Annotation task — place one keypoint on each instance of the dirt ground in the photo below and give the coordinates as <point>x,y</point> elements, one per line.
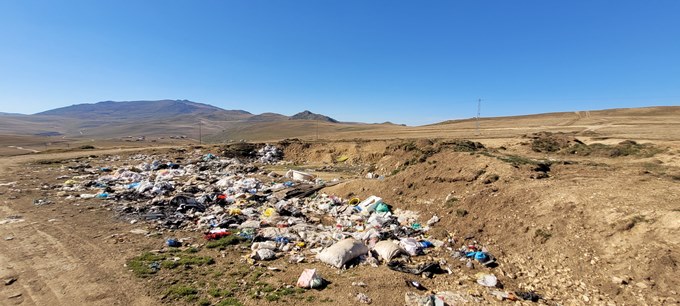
<point>585,221</point>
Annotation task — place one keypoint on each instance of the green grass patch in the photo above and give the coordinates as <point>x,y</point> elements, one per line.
<point>229,302</point>
<point>272,297</point>
<point>256,275</point>
<point>223,242</point>
<point>191,250</point>
<point>188,261</point>
<point>181,291</point>
<point>217,292</point>
<point>149,263</point>
<point>516,160</point>
<point>144,264</point>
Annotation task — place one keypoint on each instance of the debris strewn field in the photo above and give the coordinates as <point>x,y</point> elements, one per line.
<point>548,218</point>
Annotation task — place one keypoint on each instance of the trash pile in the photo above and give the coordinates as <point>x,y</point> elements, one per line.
<point>269,154</point>
<point>282,216</point>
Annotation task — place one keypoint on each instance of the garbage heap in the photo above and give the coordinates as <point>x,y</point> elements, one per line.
<point>281,216</point>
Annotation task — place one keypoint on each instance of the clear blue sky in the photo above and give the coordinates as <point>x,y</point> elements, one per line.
<point>408,62</point>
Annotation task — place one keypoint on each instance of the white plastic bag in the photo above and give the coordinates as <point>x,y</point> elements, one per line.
<point>387,249</point>
<point>309,279</point>
<point>342,252</point>
<point>410,245</point>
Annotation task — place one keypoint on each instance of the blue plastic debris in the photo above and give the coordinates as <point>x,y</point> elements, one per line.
<point>173,243</point>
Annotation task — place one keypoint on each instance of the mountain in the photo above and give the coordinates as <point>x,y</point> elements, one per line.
<point>307,115</point>
<point>135,110</point>
<point>268,117</point>
<point>110,119</point>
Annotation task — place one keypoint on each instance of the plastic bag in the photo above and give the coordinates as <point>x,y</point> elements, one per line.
<point>342,252</point>
<point>387,250</point>
<point>309,279</point>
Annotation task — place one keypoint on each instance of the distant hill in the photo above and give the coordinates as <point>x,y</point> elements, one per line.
<point>110,119</point>
<point>135,110</point>
<point>167,118</point>
<point>268,117</point>
<point>307,115</point>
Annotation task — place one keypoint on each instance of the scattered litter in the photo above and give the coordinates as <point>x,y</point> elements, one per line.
<point>264,254</point>
<point>387,250</point>
<point>414,299</point>
<point>299,175</point>
<point>310,279</point>
<point>155,266</point>
<point>12,219</point>
<point>415,284</point>
<point>425,268</point>
<point>342,252</point>
<point>363,298</point>
<point>528,295</point>
<point>503,295</point>
<point>40,202</point>
<point>269,154</point>
<point>172,242</point>
<point>487,280</point>
<point>433,220</point>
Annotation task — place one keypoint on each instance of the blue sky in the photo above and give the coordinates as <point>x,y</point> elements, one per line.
<point>411,62</point>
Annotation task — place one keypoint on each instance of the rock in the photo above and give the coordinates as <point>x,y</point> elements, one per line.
<point>641,285</point>
<point>14,295</point>
<point>139,231</point>
<point>619,281</point>
<point>10,281</point>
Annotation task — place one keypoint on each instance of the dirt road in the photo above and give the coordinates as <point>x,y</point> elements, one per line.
<point>61,255</point>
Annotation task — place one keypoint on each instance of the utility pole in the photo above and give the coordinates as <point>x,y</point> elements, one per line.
<point>479,111</point>
<point>200,133</point>
<point>317,130</point>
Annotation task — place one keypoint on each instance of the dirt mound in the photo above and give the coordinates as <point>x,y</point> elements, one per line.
<point>547,142</point>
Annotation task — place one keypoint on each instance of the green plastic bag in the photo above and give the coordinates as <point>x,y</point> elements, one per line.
<point>382,207</point>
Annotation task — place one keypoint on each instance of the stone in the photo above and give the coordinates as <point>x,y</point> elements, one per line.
<point>139,231</point>
<point>619,281</point>
<point>641,285</point>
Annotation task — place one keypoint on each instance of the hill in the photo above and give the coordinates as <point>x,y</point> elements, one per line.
<point>161,118</point>
<point>268,117</point>
<point>307,115</point>
<point>135,110</point>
